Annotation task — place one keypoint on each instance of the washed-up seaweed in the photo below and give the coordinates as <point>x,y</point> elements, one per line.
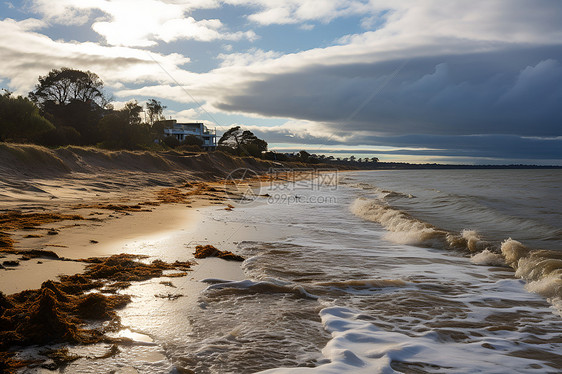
<point>126,268</point>
<point>178,195</point>
<point>204,251</point>
<point>16,220</point>
<point>116,207</point>
<point>58,312</point>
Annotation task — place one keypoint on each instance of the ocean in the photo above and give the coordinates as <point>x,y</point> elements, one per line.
<point>413,271</point>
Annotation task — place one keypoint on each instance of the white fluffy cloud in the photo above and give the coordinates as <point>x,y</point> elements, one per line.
<point>140,23</point>
<point>27,54</point>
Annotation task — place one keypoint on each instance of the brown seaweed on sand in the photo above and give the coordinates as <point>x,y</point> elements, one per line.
<point>126,268</point>
<point>203,251</point>
<point>5,241</point>
<point>115,207</point>
<point>16,220</point>
<point>58,311</point>
<point>176,195</point>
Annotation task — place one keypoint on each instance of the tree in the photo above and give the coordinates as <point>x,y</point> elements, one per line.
<point>20,119</point>
<point>63,86</point>
<point>374,159</point>
<point>124,129</point>
<point>72,98</point>
<point>154,109</point>
<point>303,156</point>
<point>132,111</point>
<point>245,143</point>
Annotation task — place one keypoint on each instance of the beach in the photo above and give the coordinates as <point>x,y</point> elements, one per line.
<point>63,210</point>
<point>344,272</point>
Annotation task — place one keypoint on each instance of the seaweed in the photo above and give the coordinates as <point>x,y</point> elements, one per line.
<point>115,207</point>
<point>16,220</point>
<point>124,268</point>
<point>169,296</point>
<point>60,357</point>
<point>58,311</point>
<point>32,253</point>
<point>114,287</point>
<point>175,195</point>
<point>6,242</point>
<point>10,365</point>
<point>101,307</point>
<point>113,351</point>
<point>204,251</point>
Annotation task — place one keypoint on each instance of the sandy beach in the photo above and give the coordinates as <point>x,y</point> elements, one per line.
<point>52,222</point>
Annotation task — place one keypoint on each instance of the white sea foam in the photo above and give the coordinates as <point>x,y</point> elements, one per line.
<point>488,258</point>
<point>360,347</point>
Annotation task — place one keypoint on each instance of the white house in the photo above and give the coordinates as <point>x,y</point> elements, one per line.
<point>181,130</point>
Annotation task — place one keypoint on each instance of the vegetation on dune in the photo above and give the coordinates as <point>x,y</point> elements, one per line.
<point>20,119</point>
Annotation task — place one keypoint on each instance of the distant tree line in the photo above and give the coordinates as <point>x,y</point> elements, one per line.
<point>307,158</point>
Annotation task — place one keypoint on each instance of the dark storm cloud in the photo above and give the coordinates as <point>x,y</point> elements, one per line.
<point>516,92</point>
<point>508,147</point>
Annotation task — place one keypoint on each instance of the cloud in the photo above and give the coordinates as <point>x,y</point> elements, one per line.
<point>302,11</point>
<point>27,54</point>
<point>497,92</point>
<point>510,148</point>
<point>170,92</point>
<point>140,23</point>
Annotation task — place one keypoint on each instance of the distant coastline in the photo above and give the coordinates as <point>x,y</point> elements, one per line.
<point>408,166</point>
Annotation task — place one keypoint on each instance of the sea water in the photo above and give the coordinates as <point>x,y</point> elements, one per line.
<point>456,271</point>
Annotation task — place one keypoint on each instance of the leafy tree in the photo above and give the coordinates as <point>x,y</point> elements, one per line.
<point>124,129</point>
<point>155,111</point>
<point>72,98</point>
<point>20,119</point>
<point>303,156</point>
<point>132,111</point>
<point>63,86</point>
<point>245,143</point>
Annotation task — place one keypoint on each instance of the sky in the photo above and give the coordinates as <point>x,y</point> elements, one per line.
<point>473,82</point>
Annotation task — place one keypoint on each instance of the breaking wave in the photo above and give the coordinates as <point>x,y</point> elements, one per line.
<point>405,229</point>
<point>541,269</point>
